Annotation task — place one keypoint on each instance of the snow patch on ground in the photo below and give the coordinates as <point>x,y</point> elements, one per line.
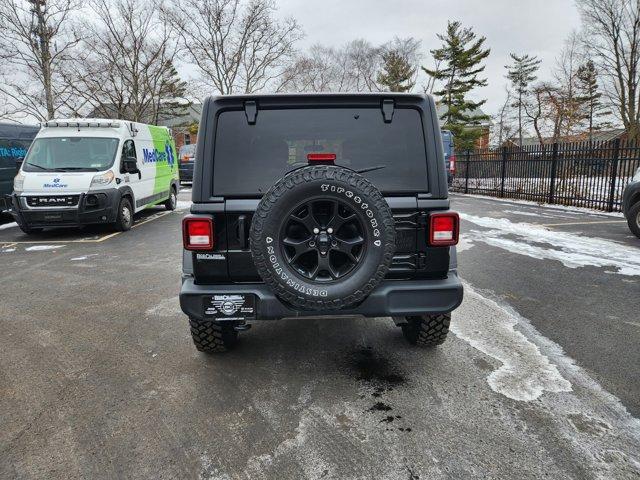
<point>83,257</point>
<point>42,248</point>
<point>8,225</point>
<point>169,307</point>
<point>563,208</point>
<point>523,212</point>
<point>525,373</point>
<point>464,244</point>
<point>571,249</point>
<point>183,204</point>
<point>7,250</point>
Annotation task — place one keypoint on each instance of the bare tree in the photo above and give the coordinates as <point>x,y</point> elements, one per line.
<point>37,38</point>
<point>612,29</point>
<point>503,120</point>
<point>569,112</point>
<point>432,79</point>
<point>535,109</point>
<point>237,47</point>
<point>353,67</point>
<point>125,68</point>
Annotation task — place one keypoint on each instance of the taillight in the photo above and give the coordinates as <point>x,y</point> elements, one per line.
<point>452,164</point>
<point>321,157</point>
<point>443,229</point>
<point>197,233</point>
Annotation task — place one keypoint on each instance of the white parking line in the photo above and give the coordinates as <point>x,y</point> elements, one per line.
<point>84,240</point>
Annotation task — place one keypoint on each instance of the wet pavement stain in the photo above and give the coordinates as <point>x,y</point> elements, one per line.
<point>380,407</point>
<point>376,371</point>
<point>378,374</point>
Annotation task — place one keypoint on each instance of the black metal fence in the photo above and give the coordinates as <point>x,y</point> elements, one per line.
<point>583,174</point>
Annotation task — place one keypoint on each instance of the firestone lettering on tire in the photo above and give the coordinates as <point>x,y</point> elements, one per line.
<point>363,206</point>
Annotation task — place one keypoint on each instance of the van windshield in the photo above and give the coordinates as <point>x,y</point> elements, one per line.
<point>60,154</point>
<point>248,159</point>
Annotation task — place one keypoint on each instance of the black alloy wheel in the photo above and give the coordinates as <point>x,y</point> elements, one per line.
<point>323,239</point>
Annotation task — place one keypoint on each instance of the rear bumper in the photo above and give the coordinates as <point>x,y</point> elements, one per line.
<point>391,298</point>
<point>103,212</point>
<point>186,174</point>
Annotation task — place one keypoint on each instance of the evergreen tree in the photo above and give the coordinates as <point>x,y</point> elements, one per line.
<point>589,96</point>
<point>397,74</point>
<point>521,74</point>
<point>171,92</point>
<point>459,61</point>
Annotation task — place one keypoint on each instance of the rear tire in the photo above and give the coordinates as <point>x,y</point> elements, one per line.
<point>210,336</point>
<point>124,218</point>
<point>633,219</point>
<point>427,330</point>
<point>172,201</point>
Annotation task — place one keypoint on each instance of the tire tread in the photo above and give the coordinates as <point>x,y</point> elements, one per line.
<point>210,336</point>
<point>427,330</point>
<point>290,181</point>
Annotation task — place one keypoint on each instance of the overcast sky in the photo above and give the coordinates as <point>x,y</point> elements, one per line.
<point>521,26</point>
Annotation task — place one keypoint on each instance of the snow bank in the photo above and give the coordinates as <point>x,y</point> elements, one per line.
<point>573,250</point>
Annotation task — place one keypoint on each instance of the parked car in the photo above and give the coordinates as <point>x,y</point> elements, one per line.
<point>86,171</point>
<point>631,204</point>
<point>449,155</point>
<point>187,156</point>
<point>319,205</point>
<point>14,143</point>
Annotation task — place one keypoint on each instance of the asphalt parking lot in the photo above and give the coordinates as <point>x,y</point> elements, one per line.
<point>99,378</point>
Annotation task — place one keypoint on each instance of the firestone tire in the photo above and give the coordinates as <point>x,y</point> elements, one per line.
<point>342,187</point>
<point>210,336</point>
<point>427,330</point>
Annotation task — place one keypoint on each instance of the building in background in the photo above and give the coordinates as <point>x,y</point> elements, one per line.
<point>484,125</point>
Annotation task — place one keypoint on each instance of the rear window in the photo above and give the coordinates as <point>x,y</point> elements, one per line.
<point>188,150</point>
<point>249,159</point>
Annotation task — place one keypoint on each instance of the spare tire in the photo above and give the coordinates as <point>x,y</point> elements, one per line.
<point>322,238</point>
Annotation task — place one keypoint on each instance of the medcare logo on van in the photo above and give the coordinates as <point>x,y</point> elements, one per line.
<point>55,183</point>
<point>156,156</point>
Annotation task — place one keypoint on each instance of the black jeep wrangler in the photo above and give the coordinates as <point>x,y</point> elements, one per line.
<point>319,205</point>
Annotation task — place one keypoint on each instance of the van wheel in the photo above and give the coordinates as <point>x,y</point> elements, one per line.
<point>29,230</point>
<point>124,219</point>
<point>427,330</point>
<point>633,219</point>
<point>210,336</point>
<point>172,201</point>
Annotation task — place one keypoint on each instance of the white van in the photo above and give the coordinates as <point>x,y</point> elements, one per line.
<point>94,171</point>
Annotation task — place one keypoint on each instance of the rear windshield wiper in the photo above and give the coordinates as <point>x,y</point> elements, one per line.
<point>363,170</point>
<point>371,169</point>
